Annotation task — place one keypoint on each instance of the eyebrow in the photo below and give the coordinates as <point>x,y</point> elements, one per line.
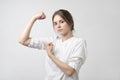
<point>59,20</point>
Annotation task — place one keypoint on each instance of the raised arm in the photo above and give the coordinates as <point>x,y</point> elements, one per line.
<point>25,36</point>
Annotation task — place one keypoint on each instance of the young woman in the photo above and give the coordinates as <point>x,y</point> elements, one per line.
<point>65,52</point>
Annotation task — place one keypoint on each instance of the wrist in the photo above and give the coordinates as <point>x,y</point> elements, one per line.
<point>34,19</point>
<point>50,54</point>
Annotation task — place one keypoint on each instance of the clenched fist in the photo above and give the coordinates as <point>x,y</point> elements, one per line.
<point>40,16</point>
<point>49,48</point>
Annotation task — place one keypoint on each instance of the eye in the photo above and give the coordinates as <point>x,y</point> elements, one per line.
<point>62,21</point>
<point>54,23</point>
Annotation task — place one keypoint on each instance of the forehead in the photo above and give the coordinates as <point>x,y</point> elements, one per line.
<point>57,18</point>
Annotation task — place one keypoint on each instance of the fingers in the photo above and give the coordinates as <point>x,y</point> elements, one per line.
<point>49,44</point>
<point>49,48</point>
<point>43,16</point>
<point>40,15</point>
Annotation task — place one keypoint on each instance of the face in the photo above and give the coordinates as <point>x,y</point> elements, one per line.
<point>61,26</point>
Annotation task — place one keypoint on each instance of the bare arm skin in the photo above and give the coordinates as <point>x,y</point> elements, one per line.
<point>63,66</point>
<point>25,36</point>
<point>25,40</point>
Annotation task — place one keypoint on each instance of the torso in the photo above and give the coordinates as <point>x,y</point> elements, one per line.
<point>62,51</point>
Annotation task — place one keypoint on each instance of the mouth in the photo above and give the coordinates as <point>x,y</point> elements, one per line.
<point>59,30</point>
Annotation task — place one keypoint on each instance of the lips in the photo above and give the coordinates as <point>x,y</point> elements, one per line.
<point>59,30</point>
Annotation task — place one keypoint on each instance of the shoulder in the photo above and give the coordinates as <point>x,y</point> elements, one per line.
<point>79,40</point>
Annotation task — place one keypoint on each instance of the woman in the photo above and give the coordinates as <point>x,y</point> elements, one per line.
<point>65,52</point>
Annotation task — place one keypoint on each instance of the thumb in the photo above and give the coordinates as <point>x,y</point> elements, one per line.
<point>51,44</point>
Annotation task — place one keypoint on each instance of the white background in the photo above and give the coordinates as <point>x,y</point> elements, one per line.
<point>97,21</point>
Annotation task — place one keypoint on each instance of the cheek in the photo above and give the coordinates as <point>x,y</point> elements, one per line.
<point>66,27</point>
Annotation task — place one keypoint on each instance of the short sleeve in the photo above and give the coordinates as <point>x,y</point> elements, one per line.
<point>39,43</point>
<point>78,56</point>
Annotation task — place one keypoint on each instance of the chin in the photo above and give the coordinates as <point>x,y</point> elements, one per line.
<point>60,34</point>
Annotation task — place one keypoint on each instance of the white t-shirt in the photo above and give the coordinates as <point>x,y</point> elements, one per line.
<point>72,52</point>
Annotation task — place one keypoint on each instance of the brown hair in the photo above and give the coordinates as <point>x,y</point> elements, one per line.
<point>66,15</point>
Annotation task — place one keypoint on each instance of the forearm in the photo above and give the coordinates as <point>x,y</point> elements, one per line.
<point>26,33</point>
<point>63,66</point>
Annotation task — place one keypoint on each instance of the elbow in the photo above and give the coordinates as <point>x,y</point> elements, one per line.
<point>25,43</point>
<point>70,72</point>
<point>21,42</point>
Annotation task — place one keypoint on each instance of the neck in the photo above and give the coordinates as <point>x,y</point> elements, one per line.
<point>67,36</point>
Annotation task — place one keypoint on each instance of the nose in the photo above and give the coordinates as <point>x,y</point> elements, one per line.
<point>58,26</point>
